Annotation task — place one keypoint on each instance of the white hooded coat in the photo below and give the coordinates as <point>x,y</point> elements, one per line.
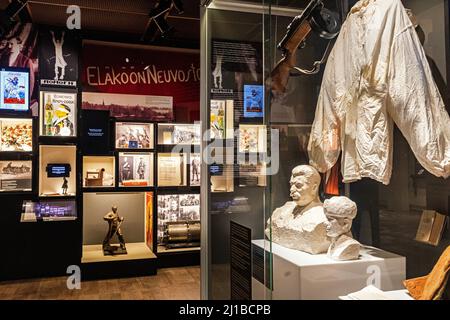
<point>377,74</point>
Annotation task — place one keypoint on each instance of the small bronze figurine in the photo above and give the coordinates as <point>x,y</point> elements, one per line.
<point>65,186</point>
<point>114,223</point>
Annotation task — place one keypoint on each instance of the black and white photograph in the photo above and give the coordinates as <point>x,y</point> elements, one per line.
<point>58,57</point>
<point>195,161</point>
<point>132,135</point>
<point>15,176</point>
<point>135,169</point>
<point>185,134</point>
<point>177,207</point>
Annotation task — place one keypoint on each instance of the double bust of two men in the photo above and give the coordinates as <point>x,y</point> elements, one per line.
<point>308,225</point>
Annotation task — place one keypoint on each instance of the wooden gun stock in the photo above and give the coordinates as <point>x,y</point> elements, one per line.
<point>280,75</point>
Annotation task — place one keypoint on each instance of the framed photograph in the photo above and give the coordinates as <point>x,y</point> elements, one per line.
<point>135,169</point>
<point>172,169</point>
<point>58,114</point>
<point>175,208</point>
<point>14,89</point>
<point>15,176</point>
<point>133,135</point>
<point>252,138</point>
<point>99,172</point>
<point>195,162</point>
<point>187,134</point>
<point>16,135</point>
<point>253,101</point>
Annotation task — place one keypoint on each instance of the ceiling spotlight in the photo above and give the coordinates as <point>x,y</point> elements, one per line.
<point>158,17</point>
<point>8,16</point>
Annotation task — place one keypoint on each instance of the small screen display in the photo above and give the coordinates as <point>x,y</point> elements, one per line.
<point>58,170</point>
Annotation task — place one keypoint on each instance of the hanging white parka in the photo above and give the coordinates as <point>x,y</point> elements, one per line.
<point>378,73</point>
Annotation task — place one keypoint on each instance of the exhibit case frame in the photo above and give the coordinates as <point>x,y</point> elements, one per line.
<point>401,237</point>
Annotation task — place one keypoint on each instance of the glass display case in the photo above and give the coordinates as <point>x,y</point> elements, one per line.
<point>254,221</point>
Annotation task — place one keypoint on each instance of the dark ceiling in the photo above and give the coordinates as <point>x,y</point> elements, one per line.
<point>120,20</point>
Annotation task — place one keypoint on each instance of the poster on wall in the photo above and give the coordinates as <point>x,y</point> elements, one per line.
<point>58,57</point>
<point>14,89</point>
<point>234,63</point>
<point>177,207</point>
<point>133,135</point>
<point>195,161</point>
<point>19,49</point>
<point>218,109</point>
<point>144,71</point>
<point>253,101</point>
<point>58,114</point>
<point>252,138</point>
<point>135,169</point>
<point>15,175</point>
<point>127,106</point>
<point>16,135</point>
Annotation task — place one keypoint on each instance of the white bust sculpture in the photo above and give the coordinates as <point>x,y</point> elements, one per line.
<point>340,212</point>
<point>301,224</point>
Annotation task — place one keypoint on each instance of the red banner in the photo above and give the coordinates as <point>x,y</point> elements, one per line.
<point>139,70</point>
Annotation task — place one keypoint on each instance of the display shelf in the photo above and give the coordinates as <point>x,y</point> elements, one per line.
<point>136,251</point>
<point>57,157</point>
<point>50,210</point>
<point>99,172</point>
<point>163,250</point>
<point>139,261</point>
<point>300,275</point>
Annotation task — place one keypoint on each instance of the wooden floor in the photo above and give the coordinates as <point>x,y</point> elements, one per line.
<point>168,284</point>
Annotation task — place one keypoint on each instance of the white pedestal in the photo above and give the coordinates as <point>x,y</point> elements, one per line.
<point>301,276</point>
